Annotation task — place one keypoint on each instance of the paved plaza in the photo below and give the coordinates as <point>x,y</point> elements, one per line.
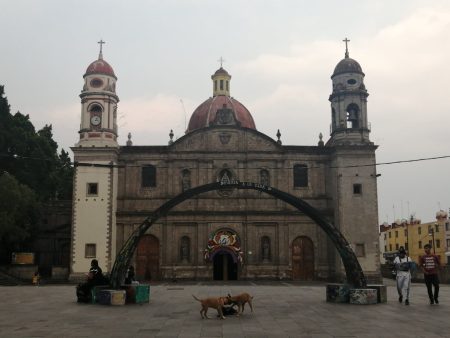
<point>281,309</point>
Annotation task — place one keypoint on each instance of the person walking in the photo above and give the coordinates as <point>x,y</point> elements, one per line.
<point>429,263</point>
<point>403,264</point>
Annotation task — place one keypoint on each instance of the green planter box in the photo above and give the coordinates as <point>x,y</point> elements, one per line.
<point>137,294</point>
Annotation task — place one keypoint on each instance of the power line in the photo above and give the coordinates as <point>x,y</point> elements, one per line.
<point>15,156</point>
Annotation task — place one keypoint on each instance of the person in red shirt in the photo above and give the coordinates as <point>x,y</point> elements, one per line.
<point>429,263</point>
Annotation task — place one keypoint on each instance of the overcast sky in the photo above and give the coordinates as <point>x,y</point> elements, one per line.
<point>280,54</point>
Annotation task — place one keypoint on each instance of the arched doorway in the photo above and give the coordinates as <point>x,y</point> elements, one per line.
<point>225,253</point>
<point>302,259</point>
<point>147,258</point>
<point>225,268</point>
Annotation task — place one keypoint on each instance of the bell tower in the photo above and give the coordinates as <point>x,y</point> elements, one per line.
<point>98,126</point>
<point>349,123</point>
<point>96,153</point>
<point>352,173</point>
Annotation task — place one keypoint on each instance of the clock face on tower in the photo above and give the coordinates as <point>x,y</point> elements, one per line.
<point>95,120</point>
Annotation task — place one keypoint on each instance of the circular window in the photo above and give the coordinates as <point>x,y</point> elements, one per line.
<point>96,83</point>
<point>351,81</point>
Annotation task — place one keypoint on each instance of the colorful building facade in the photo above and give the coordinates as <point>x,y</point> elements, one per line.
<point>413,235</point>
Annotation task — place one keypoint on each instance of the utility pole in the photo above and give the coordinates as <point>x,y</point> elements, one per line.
<point>431,233</point>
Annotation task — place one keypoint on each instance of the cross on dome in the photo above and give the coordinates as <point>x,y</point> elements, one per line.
<point>221,60</point>
<point>100,55</point>
<point>346,47</point>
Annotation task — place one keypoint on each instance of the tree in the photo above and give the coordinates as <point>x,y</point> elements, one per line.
<point>32,173</point>
<point>32,156</point>
<point>19,213</point>
<point>65,173</point>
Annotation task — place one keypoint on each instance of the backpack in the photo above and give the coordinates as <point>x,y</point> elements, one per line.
<point>409,265</point>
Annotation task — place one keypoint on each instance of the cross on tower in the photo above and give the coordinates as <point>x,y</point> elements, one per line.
<point>101,42</point>
<point>221,60</point>
<point>346,46</point>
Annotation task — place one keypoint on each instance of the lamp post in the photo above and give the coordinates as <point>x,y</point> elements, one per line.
<point>431,233</point>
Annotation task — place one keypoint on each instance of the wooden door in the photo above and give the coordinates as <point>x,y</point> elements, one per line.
<point>302,259</point>
<point>147,258</point>
<point>224,267</point>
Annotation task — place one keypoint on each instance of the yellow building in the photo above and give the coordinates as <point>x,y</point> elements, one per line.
<point>413,235</point>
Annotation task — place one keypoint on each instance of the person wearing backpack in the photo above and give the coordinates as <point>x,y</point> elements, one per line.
<point>429,263</point>
<point>403,264</point>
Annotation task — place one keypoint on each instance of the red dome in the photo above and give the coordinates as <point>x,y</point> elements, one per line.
<point>100,66</point>
<point>205,114</point>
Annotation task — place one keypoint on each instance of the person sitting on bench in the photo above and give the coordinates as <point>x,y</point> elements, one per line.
<point>129,277</point>
<point>94,277</point>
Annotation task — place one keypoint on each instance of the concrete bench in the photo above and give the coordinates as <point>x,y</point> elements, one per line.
<point>111,297</point>
<point>363,296</point>
<point>95,290</point>
<point>338,293</point>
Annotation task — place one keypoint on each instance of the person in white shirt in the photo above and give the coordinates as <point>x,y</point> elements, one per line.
<point>403,266</point>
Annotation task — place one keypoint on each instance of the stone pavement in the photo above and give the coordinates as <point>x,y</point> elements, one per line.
<point>281,309</point>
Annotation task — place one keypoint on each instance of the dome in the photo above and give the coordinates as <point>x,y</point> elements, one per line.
<point>221,71</point>
<point>441,214</point>
<point>205,114</point>
<point>347,65</point>
<point>100,66</point>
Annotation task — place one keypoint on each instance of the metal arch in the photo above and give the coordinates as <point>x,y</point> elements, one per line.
<point>353,271</point>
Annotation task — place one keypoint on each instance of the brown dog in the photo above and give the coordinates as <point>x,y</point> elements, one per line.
<point>215,303</point>
<point>240,301</point>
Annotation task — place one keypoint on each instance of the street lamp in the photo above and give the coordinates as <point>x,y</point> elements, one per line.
<point>431,233</point>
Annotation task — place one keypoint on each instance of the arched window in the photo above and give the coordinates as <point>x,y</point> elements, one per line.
<point>300,175</point>
<point>185,179</point>
<point>185,249</point>
<point>264,177</point>
<point>96,108</point>
<point>148,176</point>
<point>95,115</point>
<point>352,116</point>
<point>265,248</point>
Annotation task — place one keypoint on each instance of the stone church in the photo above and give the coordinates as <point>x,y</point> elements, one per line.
<point>225,234</point>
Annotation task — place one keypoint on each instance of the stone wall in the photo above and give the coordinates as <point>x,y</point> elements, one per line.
<point>252,214</point>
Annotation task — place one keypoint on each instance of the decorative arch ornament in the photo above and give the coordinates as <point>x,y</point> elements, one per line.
<point>355,275</point>
<point>224,240</point>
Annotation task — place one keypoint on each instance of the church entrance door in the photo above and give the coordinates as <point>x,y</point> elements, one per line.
<point>147,258</point>
<point>302,259</point>
<point>224,266</point>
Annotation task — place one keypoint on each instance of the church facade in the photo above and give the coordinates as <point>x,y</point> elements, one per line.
<point>226,234</point>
